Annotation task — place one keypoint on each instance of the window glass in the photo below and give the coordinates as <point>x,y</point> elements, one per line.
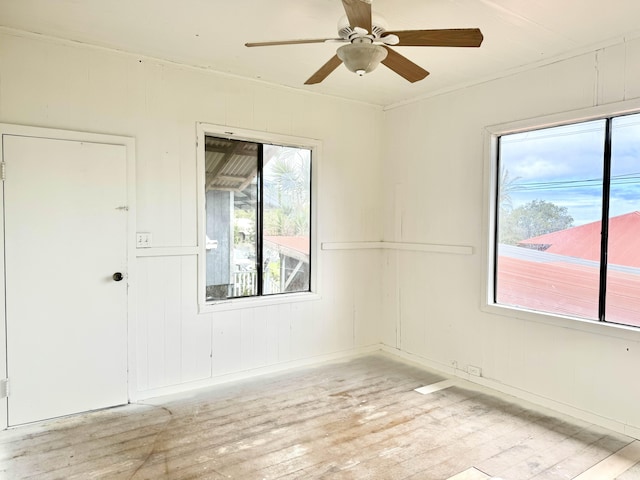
<point>231,192</point>
<point>258,207</point>
<point>287,217</point>
<point>623,270</point>
<point>549,209</point>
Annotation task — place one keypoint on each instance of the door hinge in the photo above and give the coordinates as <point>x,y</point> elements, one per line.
<point>3,171</point>
<point>4,388</point>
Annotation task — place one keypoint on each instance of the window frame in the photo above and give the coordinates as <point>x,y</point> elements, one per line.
<point>489,234</point>
<point>232,133</point>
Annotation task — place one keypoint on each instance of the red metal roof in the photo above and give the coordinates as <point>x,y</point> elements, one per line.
<point>562,276</point>
<point>567,289</point>
<point>295,246</point>
<point>584,241</point>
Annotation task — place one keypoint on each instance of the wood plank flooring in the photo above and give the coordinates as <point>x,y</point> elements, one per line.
<point>360,419</point>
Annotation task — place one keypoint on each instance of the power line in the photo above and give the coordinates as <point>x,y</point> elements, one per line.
<point>624,179</point>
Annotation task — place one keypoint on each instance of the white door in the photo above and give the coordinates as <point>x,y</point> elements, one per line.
<point>65,237</point>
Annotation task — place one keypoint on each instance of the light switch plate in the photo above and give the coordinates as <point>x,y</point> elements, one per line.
<point>143,240</point>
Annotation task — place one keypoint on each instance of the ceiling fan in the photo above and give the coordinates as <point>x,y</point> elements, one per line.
<point>367,43</point>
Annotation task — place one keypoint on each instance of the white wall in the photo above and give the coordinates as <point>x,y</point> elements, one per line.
<point>69,86</point>
<point>435,193</point>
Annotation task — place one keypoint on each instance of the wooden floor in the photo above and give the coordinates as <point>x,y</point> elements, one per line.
<point>360,419</point>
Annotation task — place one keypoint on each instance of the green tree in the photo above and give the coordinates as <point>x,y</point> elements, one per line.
<point>537,217</point>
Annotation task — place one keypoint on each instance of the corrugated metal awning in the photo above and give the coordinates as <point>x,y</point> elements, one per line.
<point>230,165</point>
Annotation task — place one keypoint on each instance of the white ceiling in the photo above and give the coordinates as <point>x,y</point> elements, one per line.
<point>212,33</point>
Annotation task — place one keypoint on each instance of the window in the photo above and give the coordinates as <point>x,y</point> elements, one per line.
<point>257,218</point>
<point>567,224</point>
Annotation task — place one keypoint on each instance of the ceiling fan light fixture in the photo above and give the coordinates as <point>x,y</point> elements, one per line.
<point>361,58</point>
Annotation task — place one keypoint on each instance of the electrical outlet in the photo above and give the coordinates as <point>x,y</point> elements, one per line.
<point>475,371</point>
<point>143,240</point>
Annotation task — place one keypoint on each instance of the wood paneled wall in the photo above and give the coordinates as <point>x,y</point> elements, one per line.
<point>437,193</point>
<point>50,83</point>
<point>414,173</point>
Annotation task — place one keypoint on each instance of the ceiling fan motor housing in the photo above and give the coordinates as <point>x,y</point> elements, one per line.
<point>378,27</point>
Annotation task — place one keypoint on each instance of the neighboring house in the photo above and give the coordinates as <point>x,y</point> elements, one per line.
<point>584,241</point>
<point>293,253</point>
<point>563,270</point>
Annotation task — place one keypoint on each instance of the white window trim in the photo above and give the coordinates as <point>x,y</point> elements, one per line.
<point>491,134</point>
<point>204,129</point>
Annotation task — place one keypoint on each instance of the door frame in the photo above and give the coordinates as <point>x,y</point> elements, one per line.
<point>57,134</point>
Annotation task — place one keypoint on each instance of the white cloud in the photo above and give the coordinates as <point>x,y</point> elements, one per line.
<point>533,167</point>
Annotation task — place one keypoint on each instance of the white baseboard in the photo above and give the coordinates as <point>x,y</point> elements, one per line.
<point>190,388</point>
<point>513,394</point>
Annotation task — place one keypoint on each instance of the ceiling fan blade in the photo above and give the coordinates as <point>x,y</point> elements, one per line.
<point>358,13</point>
<point>453,37</point>
<point>324,71</point>
<point>403,66</point>
<point>292,42</point>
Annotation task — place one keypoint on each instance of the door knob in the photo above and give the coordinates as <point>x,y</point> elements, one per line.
<point>118,276</point>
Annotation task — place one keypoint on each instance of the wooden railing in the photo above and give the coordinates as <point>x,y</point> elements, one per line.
<point>245,284</point>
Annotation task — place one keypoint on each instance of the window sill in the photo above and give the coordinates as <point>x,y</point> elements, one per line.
<point>255,302</point>
<point>626,332</point>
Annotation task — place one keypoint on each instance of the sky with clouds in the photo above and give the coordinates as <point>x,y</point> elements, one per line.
<point>564,165</point>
